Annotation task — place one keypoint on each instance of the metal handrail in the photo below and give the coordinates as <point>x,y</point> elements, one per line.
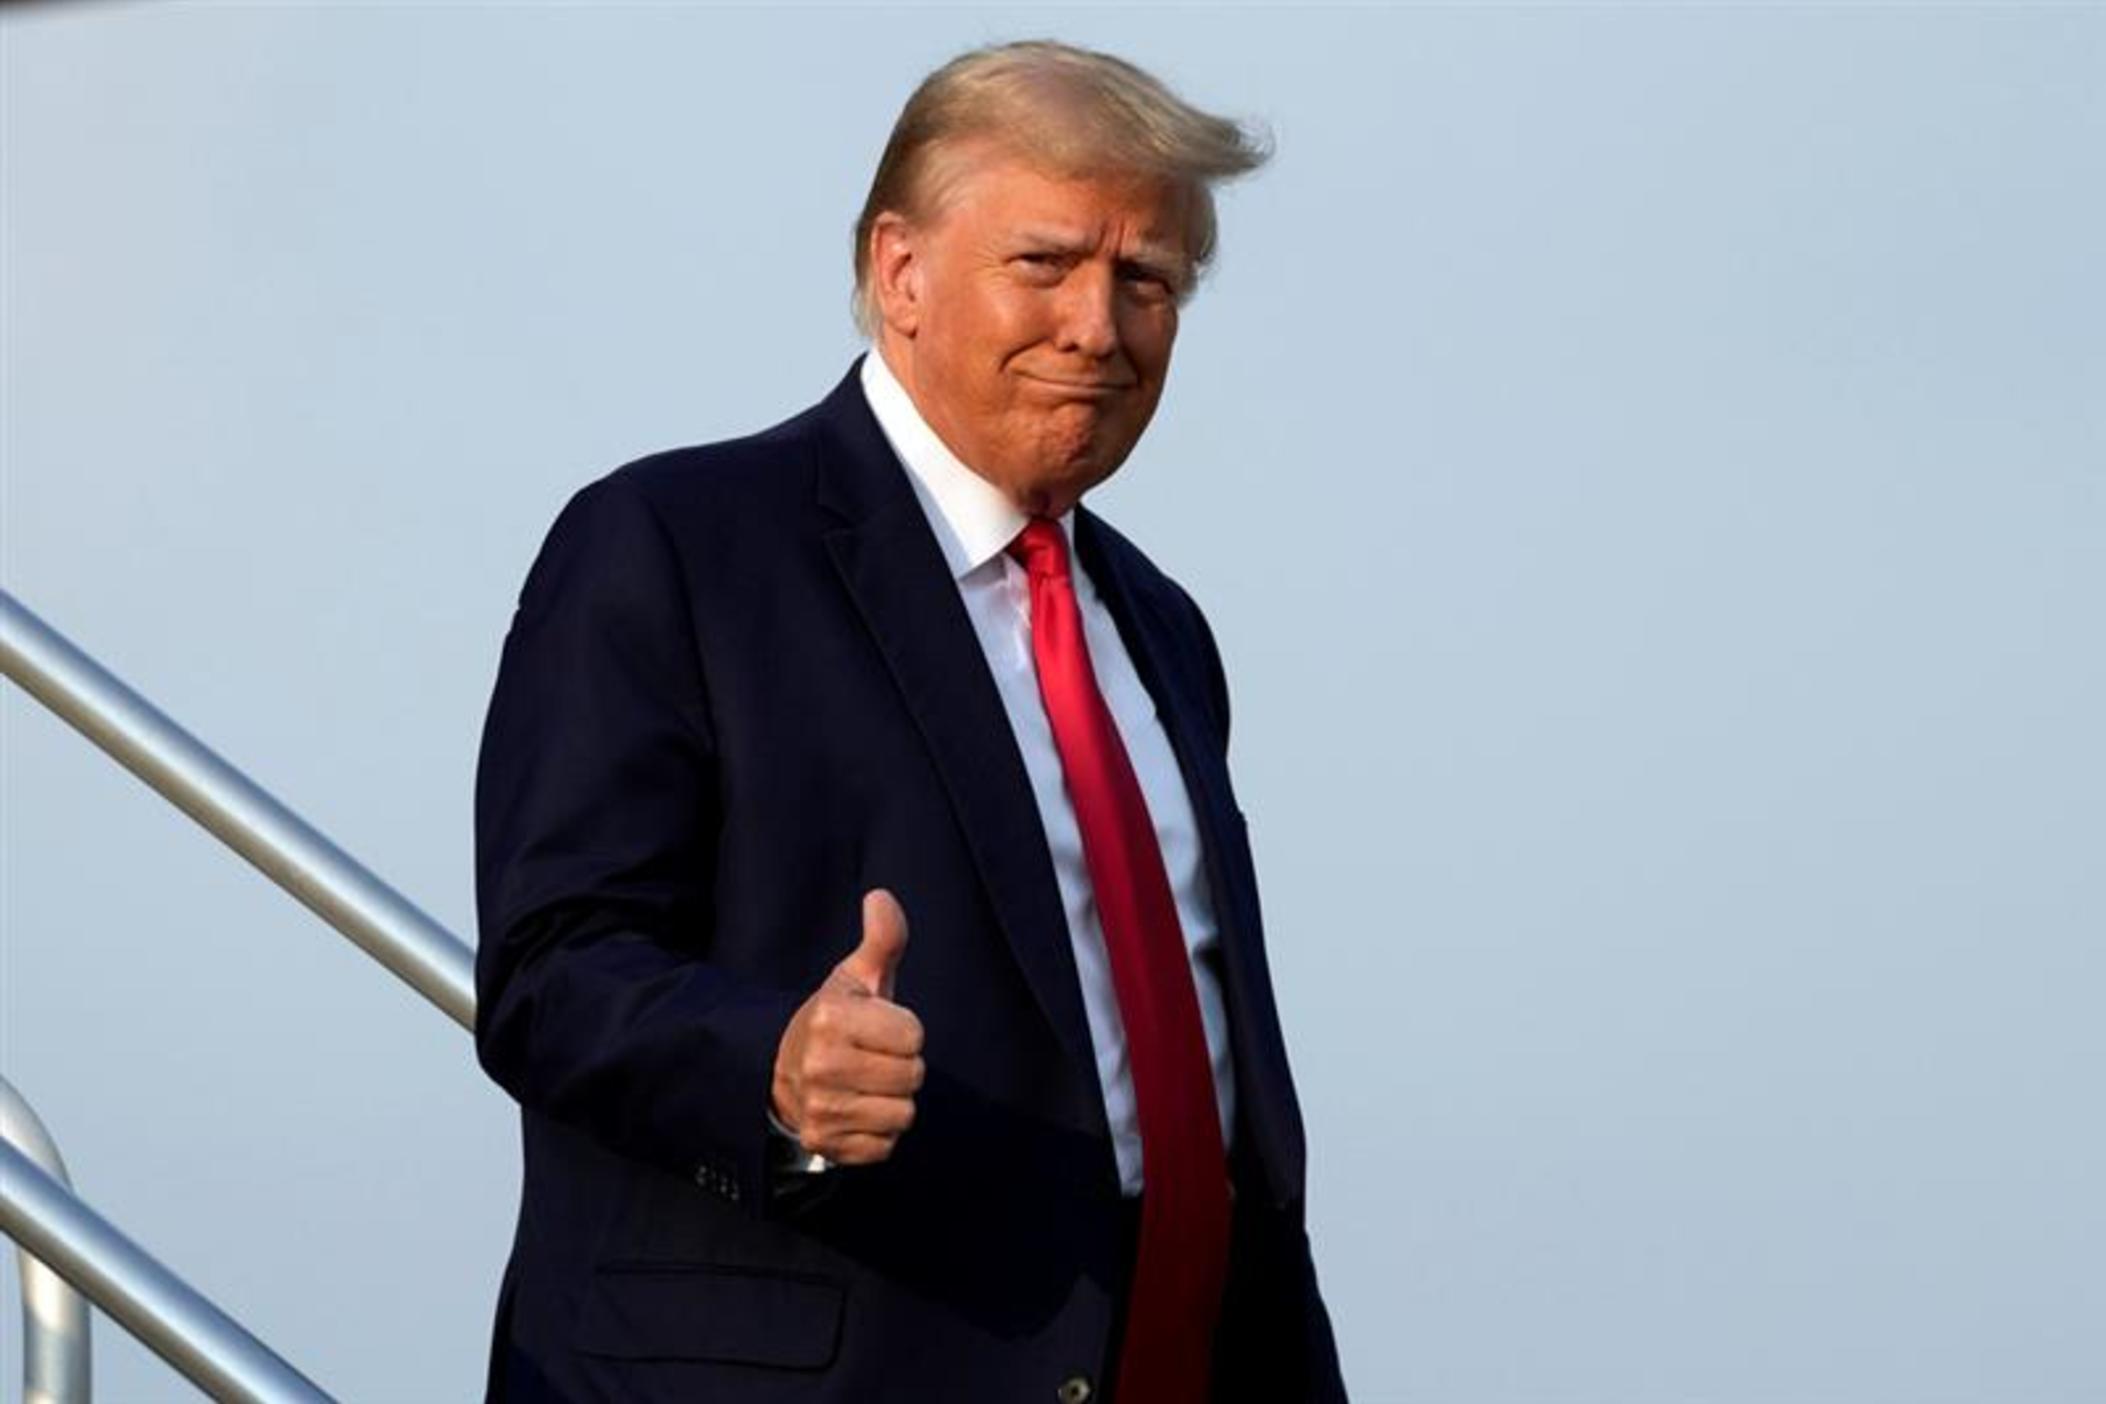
<point>55,1355</point>
<point>53,1227</point>
<point>174,1320</point>
<point>285,847</point>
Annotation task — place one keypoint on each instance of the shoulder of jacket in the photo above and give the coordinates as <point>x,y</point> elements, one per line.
<point>1140,569</point>
<point>740,479</point>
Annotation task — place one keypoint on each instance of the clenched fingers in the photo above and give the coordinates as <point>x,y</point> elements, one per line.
<point>871,1023</point>
<point>848,1069</point>
<point>843,1113</point>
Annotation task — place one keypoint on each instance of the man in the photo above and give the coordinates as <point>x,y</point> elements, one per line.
<point>869,931</point>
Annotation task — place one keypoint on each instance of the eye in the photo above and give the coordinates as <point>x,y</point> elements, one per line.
<point>1148,282</point>
<point>1038,269</point>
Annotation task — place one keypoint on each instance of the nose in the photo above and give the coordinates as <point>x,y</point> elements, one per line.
<point>1089,321</point>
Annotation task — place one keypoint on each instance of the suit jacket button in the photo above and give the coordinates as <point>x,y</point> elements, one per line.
<point>1075,1390</point>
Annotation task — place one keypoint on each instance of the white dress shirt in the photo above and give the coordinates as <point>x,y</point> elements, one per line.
<point>974,522</point>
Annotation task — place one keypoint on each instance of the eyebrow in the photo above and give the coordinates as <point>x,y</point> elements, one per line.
<point>1163,260</point>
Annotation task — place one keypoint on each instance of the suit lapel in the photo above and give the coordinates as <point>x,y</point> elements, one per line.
<point>889,561</point>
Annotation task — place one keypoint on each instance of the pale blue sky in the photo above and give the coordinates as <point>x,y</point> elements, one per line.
<point>1646,467</point>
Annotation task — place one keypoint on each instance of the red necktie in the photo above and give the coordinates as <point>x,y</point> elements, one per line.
<point>1182,1261</point>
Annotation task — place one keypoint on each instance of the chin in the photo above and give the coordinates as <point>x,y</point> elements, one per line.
<point>1067,466</point>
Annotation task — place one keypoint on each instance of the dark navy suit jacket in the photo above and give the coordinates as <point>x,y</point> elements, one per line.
<point>739,689</point>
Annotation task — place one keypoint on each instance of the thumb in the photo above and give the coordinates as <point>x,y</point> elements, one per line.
<point>874,962</point>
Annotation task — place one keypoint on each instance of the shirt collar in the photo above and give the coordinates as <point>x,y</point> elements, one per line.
<point>973,519</point>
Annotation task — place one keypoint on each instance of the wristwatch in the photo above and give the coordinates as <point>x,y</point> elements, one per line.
<point>789,1152</point>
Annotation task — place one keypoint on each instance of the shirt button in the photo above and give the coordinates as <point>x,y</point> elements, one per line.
<point>1075,1389</point>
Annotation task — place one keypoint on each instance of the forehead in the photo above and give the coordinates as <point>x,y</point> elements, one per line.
<point>1003,194</point>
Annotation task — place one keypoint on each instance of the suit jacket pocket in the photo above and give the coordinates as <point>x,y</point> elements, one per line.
<point>638,1310</point>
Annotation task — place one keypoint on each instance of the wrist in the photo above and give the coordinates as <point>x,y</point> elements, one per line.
<point>790,1153</point>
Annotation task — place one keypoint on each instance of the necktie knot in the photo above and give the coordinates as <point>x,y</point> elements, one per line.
<point>1041,549</point>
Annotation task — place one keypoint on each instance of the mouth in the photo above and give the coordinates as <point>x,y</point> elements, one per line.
<point>1082,387</point>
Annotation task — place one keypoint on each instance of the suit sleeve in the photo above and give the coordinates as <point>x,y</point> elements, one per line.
<point>595,817</point>
<point>1294,1326</point>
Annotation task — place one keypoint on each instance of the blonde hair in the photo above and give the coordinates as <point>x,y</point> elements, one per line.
<point>1070,111</point>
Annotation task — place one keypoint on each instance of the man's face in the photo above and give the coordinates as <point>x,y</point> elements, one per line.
<point>1031,320</point>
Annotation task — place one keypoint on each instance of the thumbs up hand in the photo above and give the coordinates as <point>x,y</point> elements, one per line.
<point>850,1059</point>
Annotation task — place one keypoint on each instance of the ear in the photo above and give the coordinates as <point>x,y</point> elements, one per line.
<point>897,271</point>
